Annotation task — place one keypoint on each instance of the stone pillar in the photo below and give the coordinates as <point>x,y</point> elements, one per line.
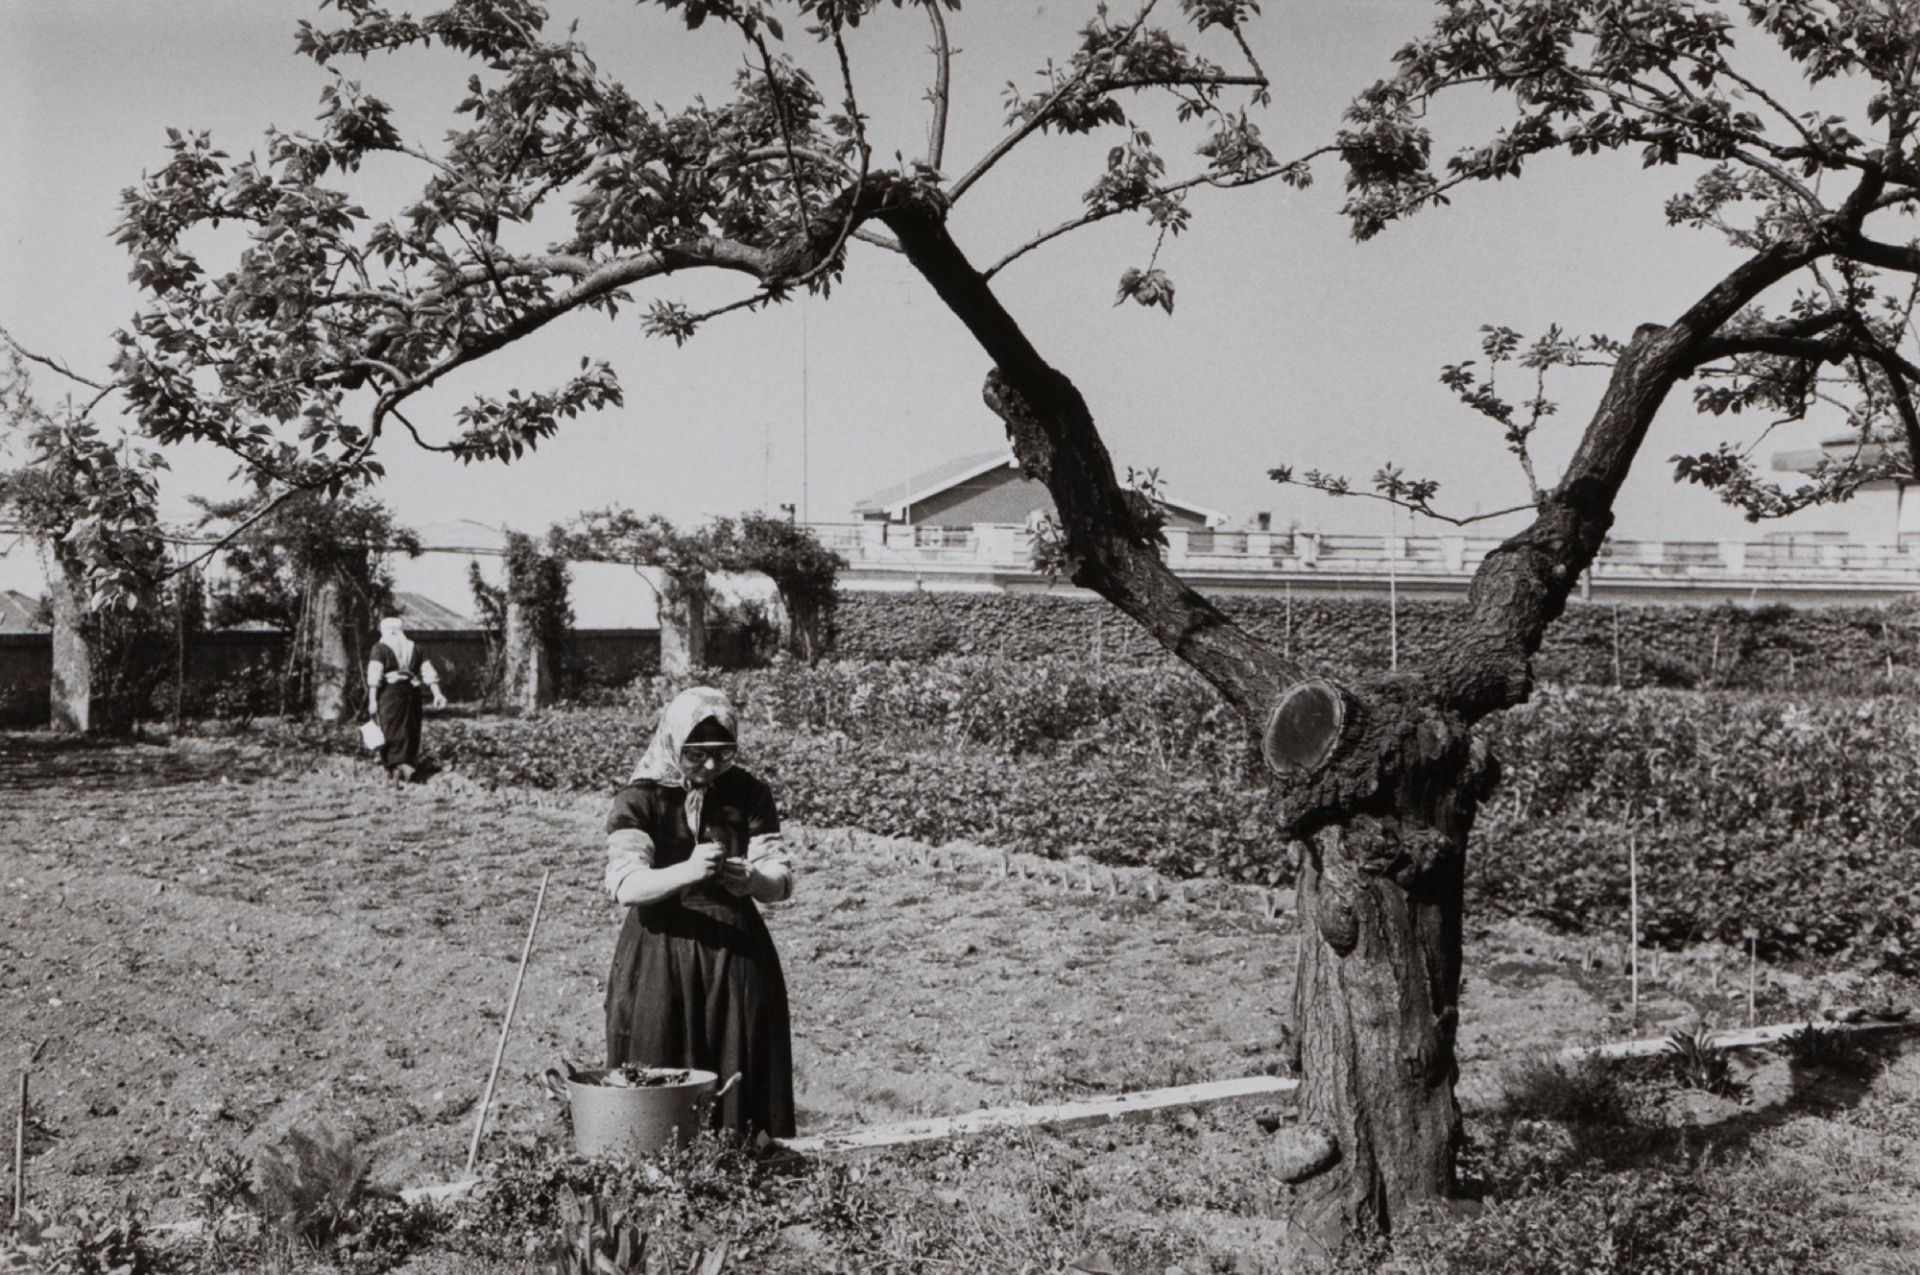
<point>527,670</point>
<point>1454,550</point>
<point>334,681</point>
<point>72,689</point>
<point>683,629</point>
<point>1307,545</point>
<point>1733,555</point>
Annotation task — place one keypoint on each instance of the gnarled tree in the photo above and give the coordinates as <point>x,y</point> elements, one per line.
<point>338,321</point>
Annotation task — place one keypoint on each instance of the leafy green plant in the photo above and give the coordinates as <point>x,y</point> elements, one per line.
<point>1583,1091</point>
<point>99,1241</point>
<point>220,1185</point>
<point>596,1238</point>
<point>312,1186</point>
<point>1825,1048</point>
<point>1698,1063</point>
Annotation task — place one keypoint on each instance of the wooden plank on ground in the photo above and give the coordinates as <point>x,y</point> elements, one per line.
<point>1064,1115</point>
<point>1745,1039</point>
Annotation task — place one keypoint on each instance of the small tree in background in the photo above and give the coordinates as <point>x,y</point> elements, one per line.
<point>89,502</point>
<point>803,571</point>
<point>316,568</point>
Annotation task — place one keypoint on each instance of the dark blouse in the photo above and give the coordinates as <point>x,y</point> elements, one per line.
<point>739,808</point>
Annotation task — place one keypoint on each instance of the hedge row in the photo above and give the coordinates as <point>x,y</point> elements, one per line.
<point>1773,647</point>
<point>1794,819</point>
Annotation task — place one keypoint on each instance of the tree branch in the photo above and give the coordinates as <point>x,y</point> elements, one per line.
<point>1205,179</point>
<point>54,364</point>
<point>1057,441</point>
<point>1523,585</point>
<point>1040,116</point>
<point>942,92</point>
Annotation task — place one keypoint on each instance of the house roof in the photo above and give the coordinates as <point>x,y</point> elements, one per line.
<point>900,496</point>
<point>19,613</point>
<point>418,611</point>
<point>1841,446</point>
<point>897,499</point>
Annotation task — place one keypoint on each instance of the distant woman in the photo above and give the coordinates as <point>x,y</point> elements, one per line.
<point>692,844</point>
<point>396,673</point>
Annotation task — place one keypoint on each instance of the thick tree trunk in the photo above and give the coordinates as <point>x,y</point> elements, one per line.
<point>1374,1003</point>
<point>72,689</point>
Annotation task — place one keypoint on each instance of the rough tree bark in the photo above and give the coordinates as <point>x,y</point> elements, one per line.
<point>1381,781</point>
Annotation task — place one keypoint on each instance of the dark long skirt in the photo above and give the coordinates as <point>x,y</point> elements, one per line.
<point>399,717</point>
<point>696,983</point>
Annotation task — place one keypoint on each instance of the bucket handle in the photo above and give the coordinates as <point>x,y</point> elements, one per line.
<point>707,1103</point>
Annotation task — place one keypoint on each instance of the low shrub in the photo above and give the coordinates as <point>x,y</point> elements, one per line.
<point>99,1241</point>
<point>1647,1223</point>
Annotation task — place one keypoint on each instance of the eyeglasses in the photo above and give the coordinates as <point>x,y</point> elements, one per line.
<point>695,756</point>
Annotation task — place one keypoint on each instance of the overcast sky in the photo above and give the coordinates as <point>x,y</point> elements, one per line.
<point>1289,343</point>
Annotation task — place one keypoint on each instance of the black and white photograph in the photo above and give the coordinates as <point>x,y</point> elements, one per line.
<point>932,637</point>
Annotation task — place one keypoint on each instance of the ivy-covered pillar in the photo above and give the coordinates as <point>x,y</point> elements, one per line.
<point>527,683</point>
<point>333,676</point>
<point>71,693</point>
<point>683,624</point>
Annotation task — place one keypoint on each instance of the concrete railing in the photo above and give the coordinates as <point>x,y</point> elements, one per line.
<point>1249,556</point>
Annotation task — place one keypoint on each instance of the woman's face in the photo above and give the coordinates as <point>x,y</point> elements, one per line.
<point>701,764</point>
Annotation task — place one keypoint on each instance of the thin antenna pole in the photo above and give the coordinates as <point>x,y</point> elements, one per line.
<point>805,423</point>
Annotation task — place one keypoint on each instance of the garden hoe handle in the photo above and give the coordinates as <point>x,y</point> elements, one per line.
<point>500,1051</point>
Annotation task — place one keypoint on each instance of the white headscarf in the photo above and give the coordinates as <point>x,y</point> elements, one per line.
<point>394,634</point>
<point>661,762</point>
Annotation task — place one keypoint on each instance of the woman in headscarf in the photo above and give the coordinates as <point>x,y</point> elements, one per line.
<point>692,844</point>
<point>396,672</point>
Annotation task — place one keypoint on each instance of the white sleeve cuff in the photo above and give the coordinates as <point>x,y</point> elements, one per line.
<point>767,856</point>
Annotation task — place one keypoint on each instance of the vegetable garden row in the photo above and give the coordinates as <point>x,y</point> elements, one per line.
<point>1794,820</point>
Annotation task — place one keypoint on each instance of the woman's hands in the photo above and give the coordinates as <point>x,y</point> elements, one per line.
<point>705,863</point>
<point>737,876</point>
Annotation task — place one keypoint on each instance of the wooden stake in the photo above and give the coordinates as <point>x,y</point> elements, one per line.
<point>1633,923</point>
<point>1393,599</point>
<point>506,1025</point>
<point>1753,961</point>
<point>1616,646</point>
<point>1286,641</point>
<point>20,1155</point>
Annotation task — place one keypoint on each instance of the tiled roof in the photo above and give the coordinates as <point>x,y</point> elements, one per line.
<point>19,613</point>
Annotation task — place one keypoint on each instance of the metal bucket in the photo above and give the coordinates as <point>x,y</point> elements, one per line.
<point>635,1120</point>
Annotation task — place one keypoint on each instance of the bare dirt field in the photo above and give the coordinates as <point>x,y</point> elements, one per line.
<point>208,940</point>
